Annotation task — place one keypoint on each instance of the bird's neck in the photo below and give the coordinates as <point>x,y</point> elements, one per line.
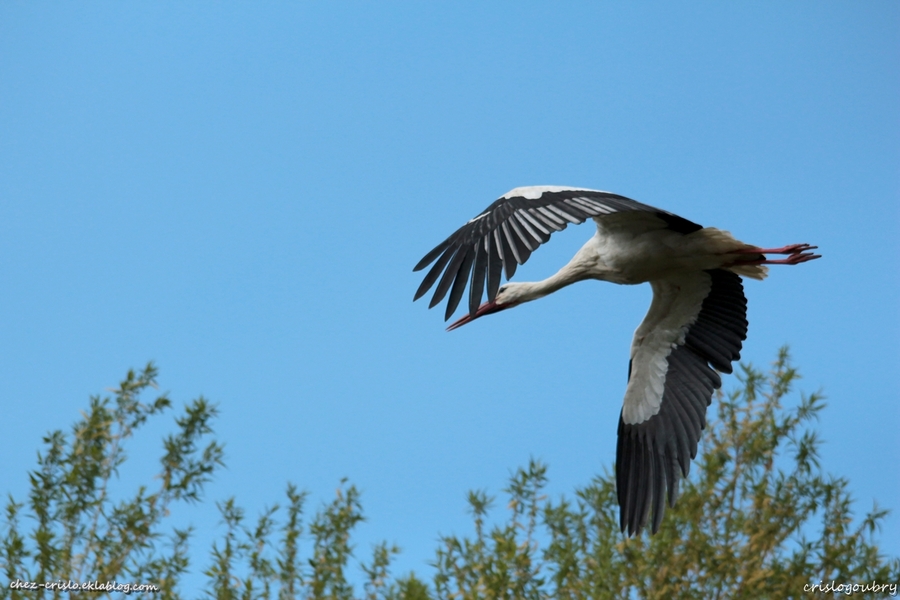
<point>532,290</point>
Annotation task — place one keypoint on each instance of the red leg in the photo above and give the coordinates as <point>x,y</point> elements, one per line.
<point>797,253</point>
<point>793,259</point>
<point>791,249</point>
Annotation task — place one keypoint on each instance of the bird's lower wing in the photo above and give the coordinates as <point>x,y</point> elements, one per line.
<point>695,326</point>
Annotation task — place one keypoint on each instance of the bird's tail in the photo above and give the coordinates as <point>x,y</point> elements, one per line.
<point>721,242</point>
<point>752,271</point>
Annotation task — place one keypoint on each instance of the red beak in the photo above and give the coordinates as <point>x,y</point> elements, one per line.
<point>485,309</point>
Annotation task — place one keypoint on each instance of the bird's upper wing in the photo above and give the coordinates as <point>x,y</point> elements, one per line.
<point>696,323</point>
<point>505,234</point>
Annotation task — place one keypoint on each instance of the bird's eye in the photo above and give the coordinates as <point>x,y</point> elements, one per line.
<point>501,290</point>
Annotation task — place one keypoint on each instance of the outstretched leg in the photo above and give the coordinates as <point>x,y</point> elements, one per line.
<point>793,259</point>
<point>791,249</point>
<point>797,253</point>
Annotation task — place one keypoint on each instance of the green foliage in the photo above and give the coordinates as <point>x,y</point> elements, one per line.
<point>757,519</point>
<point>247,564</point>
<point>80,532</point>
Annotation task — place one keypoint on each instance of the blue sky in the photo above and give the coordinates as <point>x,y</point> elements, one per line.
<point>238,192</point>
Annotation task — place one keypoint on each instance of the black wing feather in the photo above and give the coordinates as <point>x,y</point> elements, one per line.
<point>426,260</point>
<point>495,269</point>
<point>448,277</point>
<point>434,272</point>
<point>478,274</point>
<point>509,263</point>
<point>459,283</point>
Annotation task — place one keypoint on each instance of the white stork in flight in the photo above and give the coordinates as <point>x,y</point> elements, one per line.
<point>694,327</point>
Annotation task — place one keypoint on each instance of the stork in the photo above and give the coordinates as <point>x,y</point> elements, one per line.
<point>695,326</point>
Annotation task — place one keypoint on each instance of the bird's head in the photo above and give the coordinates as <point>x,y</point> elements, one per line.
<point>509,295</point>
